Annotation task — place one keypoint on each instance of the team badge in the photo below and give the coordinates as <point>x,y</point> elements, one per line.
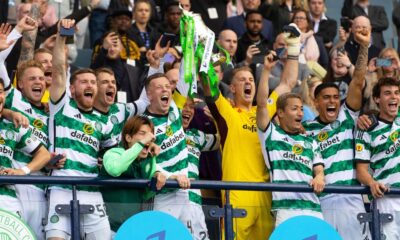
<point>169,131</point>
<point>171,117</point>
<point>38,124</point>
<point>2,141</point>
<point>307,145</point>
<point>297,149</point>
<point>114,119</point>
<point>54,219</point>
<point>88,129</point>
<point>98,126</point>
<point>335,124</point>
<point>10,134</point>
<point>394,136</point>
<point>322,136</point>
<point>359,147</point>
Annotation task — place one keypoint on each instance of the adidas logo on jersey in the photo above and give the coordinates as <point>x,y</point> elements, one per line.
<point>28,110</point>
<point>159,131</point>
<point>383,137</point>
<point>78,116</point>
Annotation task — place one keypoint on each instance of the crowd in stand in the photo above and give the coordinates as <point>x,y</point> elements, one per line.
<point>303,98</point>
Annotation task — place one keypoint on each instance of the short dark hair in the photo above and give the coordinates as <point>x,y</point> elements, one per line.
<point>376,90</point>
<point>133,125</point>
<point>151,78</point>
<point>170,4</point>
<point>250,12</point>
<point>80,71</point>
<point>283,99</point>
<point>2,82</point>
<point>324,85</point>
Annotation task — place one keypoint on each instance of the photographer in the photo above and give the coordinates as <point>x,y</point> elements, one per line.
<point>252,43</point>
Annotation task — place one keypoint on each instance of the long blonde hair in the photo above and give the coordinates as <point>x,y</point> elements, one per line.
<point>305,87</point>
<point>395,56</point>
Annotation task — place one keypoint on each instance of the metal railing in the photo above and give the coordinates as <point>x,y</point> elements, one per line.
<point>375,217</point>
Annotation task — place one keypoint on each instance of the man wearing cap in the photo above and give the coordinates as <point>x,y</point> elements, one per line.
<point>333,131</point>
<point>121,22</point>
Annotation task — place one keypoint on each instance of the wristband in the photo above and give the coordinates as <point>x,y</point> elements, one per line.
<point>26,170</point>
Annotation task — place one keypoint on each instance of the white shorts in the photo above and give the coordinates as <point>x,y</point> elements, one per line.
<point>198,226</point>
<point>90,223</point>
<point>341,210</point>
<point>175,204</point>
<point>11,204</point>
<point>388,204</point>
<point>284,214</point>
<point>34,207</point>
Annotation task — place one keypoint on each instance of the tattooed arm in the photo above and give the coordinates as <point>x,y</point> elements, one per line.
<point>354,96</point>
<point>29,37</point>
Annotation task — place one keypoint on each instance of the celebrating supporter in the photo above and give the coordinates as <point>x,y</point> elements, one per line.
<point>80,134</point>
<point>377,153</point>
<point>333,131</point>
<point>289,155</point>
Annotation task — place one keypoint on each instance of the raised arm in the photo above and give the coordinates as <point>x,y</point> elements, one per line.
<point>354,99</point>
<point>291,69</point>
<point>263,117</point>
<point>29,37</point>
<point>58,84</point>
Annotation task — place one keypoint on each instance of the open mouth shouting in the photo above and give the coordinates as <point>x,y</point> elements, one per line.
<point>37,90</point>
<point>393,105</point>
<point>248,91</point>
<point>165,100</point>
<point>88,94</point>
<point>331,111</point>
<point>110,95</point>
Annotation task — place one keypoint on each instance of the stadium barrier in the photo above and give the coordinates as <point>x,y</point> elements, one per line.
<point>374,217</point>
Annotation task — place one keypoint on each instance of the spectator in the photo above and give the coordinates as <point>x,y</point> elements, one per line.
<point>47,13</point>
<point>237,23</point>
<point>213,12</point>
<point>252,43</point>
<point>307,89</point>
<point>228,40</point>
<point>370,151</point>
<point>280,12</point>
<point>352,46</point>
<point>376,15</point>
<point>309,48</point>
<point>340,72</point>
<point>97,22</point>
<point>396,22</point>
<point>141,27</point>
<point>130,79</point>
<point>172,20</point>
<point>323,26</point>
<point>280,46</point>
